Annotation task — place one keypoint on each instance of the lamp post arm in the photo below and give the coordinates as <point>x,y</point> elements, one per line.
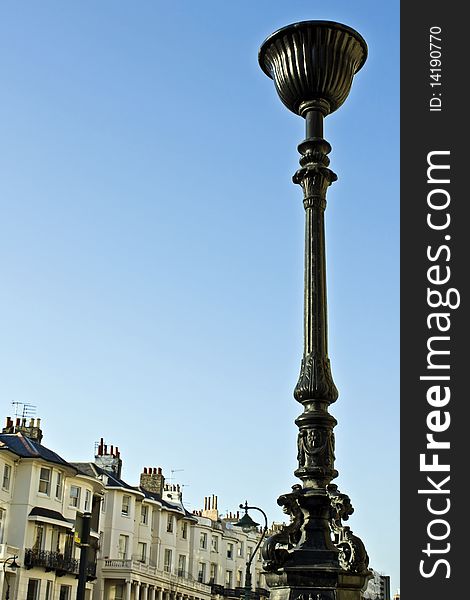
<point>265,528</point>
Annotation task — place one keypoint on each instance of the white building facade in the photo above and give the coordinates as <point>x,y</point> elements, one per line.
<point>41,497</point>
<point>144,545</point>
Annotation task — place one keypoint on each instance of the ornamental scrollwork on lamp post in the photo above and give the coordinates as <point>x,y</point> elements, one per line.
<point>314,556</point>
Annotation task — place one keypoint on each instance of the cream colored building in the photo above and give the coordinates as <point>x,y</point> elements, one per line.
<point>154,549</point>
<point>40,498</point>
<point>144,544</point>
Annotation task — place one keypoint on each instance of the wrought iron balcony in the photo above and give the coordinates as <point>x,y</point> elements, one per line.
<point>56,561</point>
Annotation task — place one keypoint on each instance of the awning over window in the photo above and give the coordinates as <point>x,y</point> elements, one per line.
<point>45,515</point>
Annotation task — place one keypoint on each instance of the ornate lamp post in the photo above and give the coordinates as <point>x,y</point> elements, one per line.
<point>315,557</point>
<point>13,566</point>
<point>247,524</point>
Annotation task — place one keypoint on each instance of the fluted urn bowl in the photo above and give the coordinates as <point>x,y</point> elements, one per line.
<point>313,64</point>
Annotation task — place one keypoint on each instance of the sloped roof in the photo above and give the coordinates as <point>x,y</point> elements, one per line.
<point>25,447</point>
<point>93,470</point>
<point>85,469</point>
<point>174,506</point>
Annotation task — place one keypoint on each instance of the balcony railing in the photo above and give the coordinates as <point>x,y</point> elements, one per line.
<point>56,561</point>
<point>177,577</point>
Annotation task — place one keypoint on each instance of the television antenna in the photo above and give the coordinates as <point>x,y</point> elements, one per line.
<point>24,410</point>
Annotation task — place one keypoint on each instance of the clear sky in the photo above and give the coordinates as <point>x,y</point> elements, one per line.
<point>151,247</point>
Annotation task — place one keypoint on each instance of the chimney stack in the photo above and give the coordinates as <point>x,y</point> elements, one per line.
<point>111,463</point>
<point>32,430</point>
<point>152,480</point>
<point>210,508</point>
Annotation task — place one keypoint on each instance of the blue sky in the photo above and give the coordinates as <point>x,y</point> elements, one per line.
<point>151,246</point>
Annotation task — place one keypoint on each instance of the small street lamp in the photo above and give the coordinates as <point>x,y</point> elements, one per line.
<point>13,567</point>
<point>247,524</point>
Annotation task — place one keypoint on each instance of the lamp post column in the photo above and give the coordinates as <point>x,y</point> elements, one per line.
<point>247,524</point>
<point>312,64</point>
<point>248,581</point>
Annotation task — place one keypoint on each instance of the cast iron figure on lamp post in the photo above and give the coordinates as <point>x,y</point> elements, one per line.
<point>315,557</point>
<point>247,524</point>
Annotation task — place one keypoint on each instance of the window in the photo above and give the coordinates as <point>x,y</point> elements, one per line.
<point>144,514</point>
<point>58,486</point>
<point>69,546</point>
<point>33,589</point>
<point>213,573</point>
<point>87,506</point>
<point>38,537</point>
<point>142,551</point>
<point>203,540</point>
<point>228,579</point>
<point>65,592</point>
<point>249,552</point>
<point>44,484</point>
<point>123,544</point>
<point>201,573</point>
<point>240,550</point>
<point>239,578</point>
<point>215,544</point>
<point>169,524</point>
<point>184,530</point>
<point>75,496</point>
<point>167,560</point>
<point>229,551</point>
<point>6,477</point>
<point>181,565</point>
<point>2,523</point>
<point>126,506</point>
<point>55,539</point>
<point>48,590</point>
<point>119,592</point>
